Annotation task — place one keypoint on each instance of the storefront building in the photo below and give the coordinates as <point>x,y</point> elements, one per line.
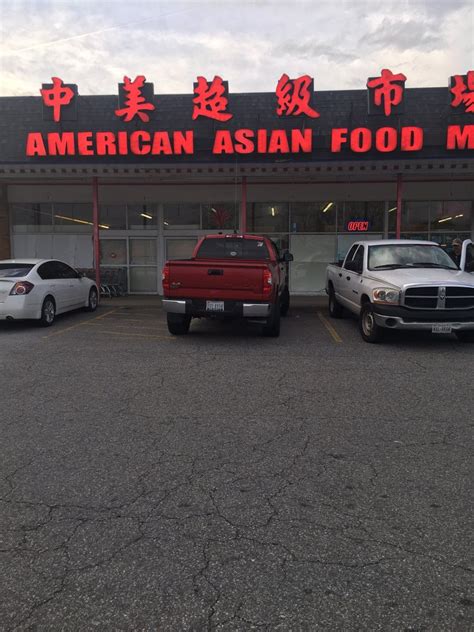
<point>315,171</point>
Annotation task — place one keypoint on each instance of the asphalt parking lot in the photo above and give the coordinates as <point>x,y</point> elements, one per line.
<point>225,481</point>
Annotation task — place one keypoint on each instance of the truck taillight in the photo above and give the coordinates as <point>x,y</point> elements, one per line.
<point>21,288</point>
<point>165,278</point>
<point>267,282</point>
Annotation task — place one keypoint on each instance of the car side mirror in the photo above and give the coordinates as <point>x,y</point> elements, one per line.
<point>287,257</point>
<point>81,275</point>
<point>350,266</point>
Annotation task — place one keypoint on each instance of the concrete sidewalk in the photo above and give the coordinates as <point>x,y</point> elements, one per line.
<point>305,303</point>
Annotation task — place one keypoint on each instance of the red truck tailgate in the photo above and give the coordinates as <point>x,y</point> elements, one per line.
<point>215,278</point>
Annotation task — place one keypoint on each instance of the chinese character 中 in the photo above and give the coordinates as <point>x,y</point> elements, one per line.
<point>210,100</point>
<point>294,96</point>
<point>56,97</point>
<point>463,93</point>
<point>387,90</point>
<point>135,103</point>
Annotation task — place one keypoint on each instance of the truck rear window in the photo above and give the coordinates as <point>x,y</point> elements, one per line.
<point>229,248</point>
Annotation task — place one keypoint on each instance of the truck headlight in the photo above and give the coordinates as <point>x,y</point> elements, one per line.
<point>386,295</point>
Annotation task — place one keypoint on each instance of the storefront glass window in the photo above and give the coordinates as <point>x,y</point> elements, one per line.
<point>219,215</point>
<point>313,217</point>
<point>182,216</point>
<point>451,215</point>
<point>415,215</point>
<point>142,251</point>
<point>72,218</point>
<point>271,217</point>
<point>31,218</point>
<point>113,251</point>
<point>113,216</point>
<point>371,212</point>
<point>142,216</point>
<point>143,280</point>
<point>312,253</point>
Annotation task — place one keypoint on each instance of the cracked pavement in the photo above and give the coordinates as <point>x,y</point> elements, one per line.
<point>224,481</point>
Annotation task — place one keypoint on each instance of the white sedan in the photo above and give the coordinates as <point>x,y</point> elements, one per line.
<point>42,288</point>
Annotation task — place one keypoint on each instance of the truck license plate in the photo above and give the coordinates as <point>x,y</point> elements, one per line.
<point>442,329</point>
<point>214,306</point>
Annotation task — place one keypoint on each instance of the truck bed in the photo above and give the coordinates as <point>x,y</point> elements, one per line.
<point>216,278</point>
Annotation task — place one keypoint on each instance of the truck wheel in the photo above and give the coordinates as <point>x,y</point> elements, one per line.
<point>272,328</point>
<point>335,309</point>
<point>178,324</point>
<point>465,336</point>
<point>285,302</point>
<point>369,330</point>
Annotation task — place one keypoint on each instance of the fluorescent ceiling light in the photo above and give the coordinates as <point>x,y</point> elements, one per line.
<point>146,216</point>
<point>166,223</point>
<point>456,216</point>
<point>328,206</point>
<point>80,221</point>
<point>390,210</point>
<point>446,219</point>
<point>273,211</point>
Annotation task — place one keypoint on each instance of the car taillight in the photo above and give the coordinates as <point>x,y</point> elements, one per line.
<point>21,288</point>
<point>267,282</point>
<point>165,278</point>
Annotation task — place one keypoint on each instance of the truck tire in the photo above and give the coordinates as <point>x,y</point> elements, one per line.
<point>335,309</point>
<point>369,330</point>
<point>178,324</point>
<point>465,336</point>
<point>272,328</point>
<point>285,302</point>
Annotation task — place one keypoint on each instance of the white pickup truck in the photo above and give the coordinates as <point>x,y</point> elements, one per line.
<point>404,284</point>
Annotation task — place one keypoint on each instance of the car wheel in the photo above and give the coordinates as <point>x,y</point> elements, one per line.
<point>272,328</point>
<point>93,300</point>
<point>335,309</point>
<point>48,312</point>
<point>369,330</point>
<point>465,336</point>
<point>285,302</point>
<point>178,324</point>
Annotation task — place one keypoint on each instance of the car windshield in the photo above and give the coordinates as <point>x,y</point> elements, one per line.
<point>392,256</point>
<point>231,248</point>
<point>15,269</point>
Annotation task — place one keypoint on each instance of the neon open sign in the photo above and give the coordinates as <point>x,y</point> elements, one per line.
<point>358,226</point>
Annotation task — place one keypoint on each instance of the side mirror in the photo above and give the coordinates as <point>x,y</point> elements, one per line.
<point>81,275</point>
<point>350,266</point>
<point>287,257</point>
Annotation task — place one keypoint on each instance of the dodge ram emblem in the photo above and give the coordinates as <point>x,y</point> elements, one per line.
<point>442,293</point>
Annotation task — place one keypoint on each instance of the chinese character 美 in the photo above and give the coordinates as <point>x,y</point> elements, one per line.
<point>294,96</point>
<point>57,96</point>
<point>135,103</point>
<point>387,89</point>
<point>210,100</point>
<point>463,93</point>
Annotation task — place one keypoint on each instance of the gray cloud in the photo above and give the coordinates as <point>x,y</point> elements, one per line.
<point>403,35</point>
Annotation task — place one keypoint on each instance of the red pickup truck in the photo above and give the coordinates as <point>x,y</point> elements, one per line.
<point>228,276</point>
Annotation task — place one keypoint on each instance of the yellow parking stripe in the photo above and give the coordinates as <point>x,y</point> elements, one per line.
<point>62,331</point>
<point>335,336</point>
<point>130,335</point>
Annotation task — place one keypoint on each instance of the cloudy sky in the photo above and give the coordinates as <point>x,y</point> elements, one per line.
<point>339,42</point>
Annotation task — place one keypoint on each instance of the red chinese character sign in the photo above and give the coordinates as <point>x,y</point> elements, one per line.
<point>294,96</point>
<point>386,92</point>
<point>462,88</point>
<point>135,103</point>
<point>57,96</point>
<point>211,99</point>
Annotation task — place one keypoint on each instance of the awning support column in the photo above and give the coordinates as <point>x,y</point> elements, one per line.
<point>399,205</point>
<point>243,207</point>
<point>95,232</point>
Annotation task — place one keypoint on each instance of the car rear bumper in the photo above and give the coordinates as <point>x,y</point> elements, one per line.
<point>19,308</point>
<point>396,317</point>
<point>235,309</point>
